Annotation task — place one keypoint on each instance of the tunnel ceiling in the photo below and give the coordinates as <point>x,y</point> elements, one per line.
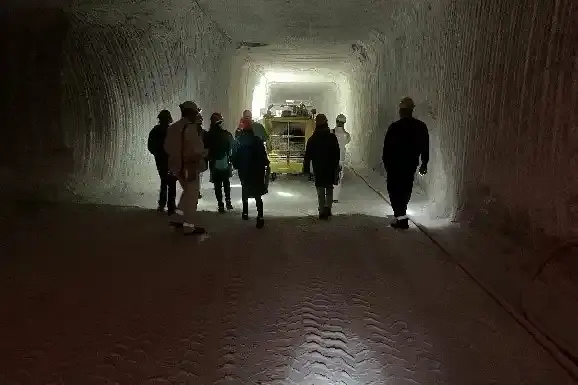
<point>273,21</point>
<point>302,55</point>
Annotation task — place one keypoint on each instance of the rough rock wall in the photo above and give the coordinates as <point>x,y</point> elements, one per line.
<point>116,79</point>
<point>95,89</point>
<point>497,85</point>
<point>243,79</point>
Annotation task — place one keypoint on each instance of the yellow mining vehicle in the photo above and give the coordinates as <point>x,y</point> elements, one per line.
<point>289,127</point>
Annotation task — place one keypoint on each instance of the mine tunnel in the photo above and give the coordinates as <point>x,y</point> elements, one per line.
<point>495,82</point>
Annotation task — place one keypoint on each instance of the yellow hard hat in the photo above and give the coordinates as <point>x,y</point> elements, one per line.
<point>407,103</point>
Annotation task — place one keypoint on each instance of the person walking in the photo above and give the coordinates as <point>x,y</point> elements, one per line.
<point>250,159</point>
<point>219,143</point>
<point>406,141</point>
<point>155,144</point>
<point>343,137</point>
<point>186,151</point>
<point>322,152</point>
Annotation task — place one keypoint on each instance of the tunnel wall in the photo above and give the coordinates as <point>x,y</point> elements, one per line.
<point>497,85</point>
<point>243,78</point>
<point>115,80</point>
<point>94,89</point>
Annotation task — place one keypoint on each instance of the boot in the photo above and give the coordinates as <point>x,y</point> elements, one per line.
<point>229,205</point>
<point>401,224</point>
<point>260,222</point>
<point>245,216</point>
<point>221,208</point>
<point>324,214</point>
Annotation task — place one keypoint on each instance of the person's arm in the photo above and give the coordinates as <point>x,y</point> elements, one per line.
<point>386,147</point>
<point>424,148</point>
<point>195,141</point>
<point>262,151</point>
<point>307,158</point>
<point>235,155</point>
<point>265,133</point>
<point>347,137</point>
<point>336,151</point>
<point>230,142</point>
<point>151,142</point>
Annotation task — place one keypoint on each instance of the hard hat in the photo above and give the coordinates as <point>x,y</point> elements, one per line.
<point>407,103</point>
<point>188,105</point>
<point>341,118</point>
<point>164,114</point>
<point>320,118</point>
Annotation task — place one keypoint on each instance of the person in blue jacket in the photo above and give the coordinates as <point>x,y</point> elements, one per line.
<point>250,159</point>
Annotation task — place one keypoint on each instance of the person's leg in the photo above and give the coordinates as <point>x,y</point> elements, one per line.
<point>245,201</point>
<point>176,219</point>
<point>227,188</point>
<point>163,171</point>
<point>329,199</point>
<point>218,183</point>
<point>321,202</point>
<point>337,188</point>
<point>397,189</point>
<point>406,191</point>
<point>191,200</point>
<point>200,182</point>
<point>393,192</point>
<point>259,204</point>
<point>172,193</point>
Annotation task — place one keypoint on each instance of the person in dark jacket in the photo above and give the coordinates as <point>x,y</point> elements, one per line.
<point>406,141</point>
<point>219,142</point>
<point>323,152</point>
<point>250,159</point>
<point>156,141</point>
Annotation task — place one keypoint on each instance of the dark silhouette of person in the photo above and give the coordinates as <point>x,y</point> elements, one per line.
<point>219,142</point>
<point>156,141</point>
<point>251,161</point>
<point>406,141</point>
<point>323,152</point>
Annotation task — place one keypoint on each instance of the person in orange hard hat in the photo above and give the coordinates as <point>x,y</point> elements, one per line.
<point>406,141</point>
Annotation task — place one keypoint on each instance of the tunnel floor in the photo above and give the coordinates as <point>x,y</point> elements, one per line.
<point>107,295</point>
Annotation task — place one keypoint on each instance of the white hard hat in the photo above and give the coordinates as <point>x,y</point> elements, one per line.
<point>407,103</point>
<point>341,118</point>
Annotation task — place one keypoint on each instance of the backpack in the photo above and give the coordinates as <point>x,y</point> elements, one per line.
<point>222,164</point>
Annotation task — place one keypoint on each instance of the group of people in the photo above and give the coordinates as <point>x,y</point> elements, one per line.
<point>183,151</point>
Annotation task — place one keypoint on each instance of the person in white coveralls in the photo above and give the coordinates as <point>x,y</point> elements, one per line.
<point>343,138</point>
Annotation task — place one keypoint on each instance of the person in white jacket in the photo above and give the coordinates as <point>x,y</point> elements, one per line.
<point>343,138</point>
<point>186,151</point>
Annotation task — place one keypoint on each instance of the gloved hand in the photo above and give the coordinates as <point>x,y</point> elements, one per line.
<point>423,170</point>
